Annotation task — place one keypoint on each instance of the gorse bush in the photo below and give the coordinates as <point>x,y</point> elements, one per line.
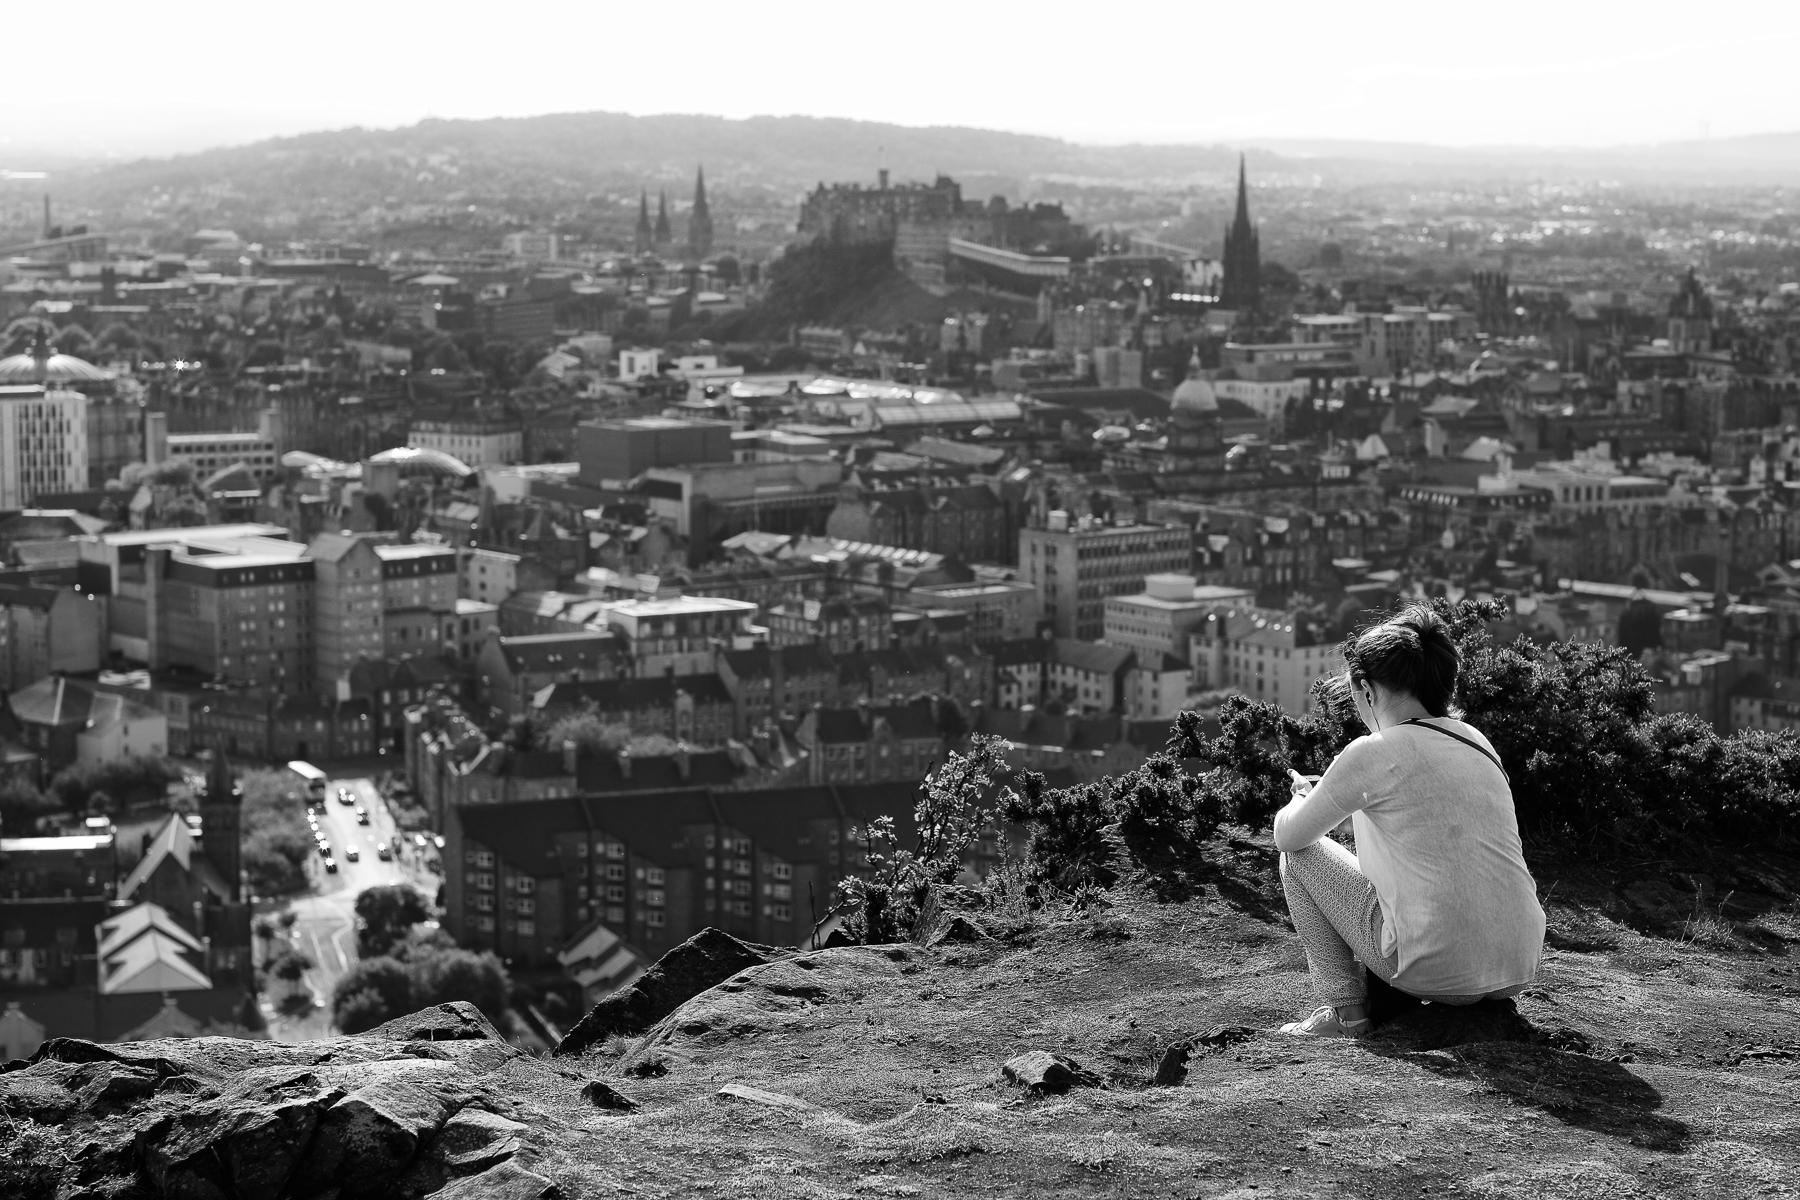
<point>1592,763</point>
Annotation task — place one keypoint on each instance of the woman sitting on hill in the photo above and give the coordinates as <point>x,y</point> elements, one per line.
<point>1437,899</point>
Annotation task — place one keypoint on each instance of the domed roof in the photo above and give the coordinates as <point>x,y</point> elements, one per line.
<point>1195,394</point>
<point>414,458</point>
<point>40,364</point>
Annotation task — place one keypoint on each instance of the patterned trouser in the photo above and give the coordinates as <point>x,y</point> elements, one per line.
<point>1338,918</point>
<point>1336,914</point>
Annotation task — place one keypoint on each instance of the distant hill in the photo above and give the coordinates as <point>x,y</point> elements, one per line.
<point>554,161</point>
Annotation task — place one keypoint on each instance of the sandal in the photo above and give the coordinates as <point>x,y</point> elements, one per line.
<point>1325,1023</point>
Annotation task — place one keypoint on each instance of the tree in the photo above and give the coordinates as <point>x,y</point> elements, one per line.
<point>385,915</point>
<point>385,978</point>
<point>359,1012</point>
<point>442,975</point>
<point>291,967</point>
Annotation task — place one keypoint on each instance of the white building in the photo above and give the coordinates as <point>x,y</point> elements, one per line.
<point>476,440</point>
<point>43,443</point>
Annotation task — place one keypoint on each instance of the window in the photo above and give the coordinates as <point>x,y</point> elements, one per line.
<point>653,919</point>
<point>782,870</point>
<point>527,928</point>
<point>484,858</point>
<point>525,885</point>
<point>615,893</point>
<point>485,924</point>
<point>484,880</point>
<point>615,871</point>
<point>484,904</point>
<point>654,876</point>
<point>615,915</point>
<point>527,906</point>
<point>654,898</point>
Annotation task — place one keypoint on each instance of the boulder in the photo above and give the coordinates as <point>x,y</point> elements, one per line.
<point>1046,1073</point>
<point>475,1138</point>
<point>708,958</point>
<point>368,1138</point>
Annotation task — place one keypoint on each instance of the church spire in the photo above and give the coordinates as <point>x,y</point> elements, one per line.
<point>662,219</point>
<point>700,225</point>
<point>1242,285</point>
<point>642,241</point>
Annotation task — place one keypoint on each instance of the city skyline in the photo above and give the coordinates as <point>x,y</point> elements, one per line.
<point>1545,75</point>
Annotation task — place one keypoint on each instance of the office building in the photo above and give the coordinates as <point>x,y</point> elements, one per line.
<point>1076,563</point>
<point>43,443</point>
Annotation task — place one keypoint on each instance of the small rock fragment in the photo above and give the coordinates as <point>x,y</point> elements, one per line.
<point>604,1095</point>
<point>1045,1073</point>
<point>475,1137</point>
<point>738,1091</point>
<point>508,1181</point>
<point>959,930</point>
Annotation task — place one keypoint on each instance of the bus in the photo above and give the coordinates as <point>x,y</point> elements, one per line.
<point>314,779</point>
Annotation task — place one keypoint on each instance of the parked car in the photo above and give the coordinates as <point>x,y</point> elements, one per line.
<point>331,866</point>
<point>362,818</point>
<point>353,854</point>
<point>383,853</point>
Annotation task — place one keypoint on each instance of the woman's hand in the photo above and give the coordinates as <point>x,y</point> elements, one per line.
<point>1298,784</point>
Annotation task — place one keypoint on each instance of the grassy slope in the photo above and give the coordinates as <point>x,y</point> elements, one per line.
<point>1689,1085</point>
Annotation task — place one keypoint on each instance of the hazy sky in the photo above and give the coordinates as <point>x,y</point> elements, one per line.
<point>129,77</point>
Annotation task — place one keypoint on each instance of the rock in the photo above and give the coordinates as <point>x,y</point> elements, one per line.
<point>708,958</point>
<point>248,1142</point>
<point>959,930</point>
<point>475,1138</point>
<point>738,1091</point>
<point>1173,1069</point>
<point>456,1021</point>
<point>371,1135</point>
<point>777,999</point>
<point>1046,1073</point>
<point>507,1181</point>
<point>604,1095</point>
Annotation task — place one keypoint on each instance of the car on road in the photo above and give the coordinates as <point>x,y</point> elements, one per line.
<point>419,840</point>
<point>331,866</point>
<point>346,796</point>
<point>353,854</point>
<point>383,853</point>
<point>362,817</point>
<point>437,839</point>
<point>324,849</point>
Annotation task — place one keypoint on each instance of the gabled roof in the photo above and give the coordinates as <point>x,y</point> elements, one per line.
<point>144,949</point>
<point>333,547</point>
<point>174,841</point>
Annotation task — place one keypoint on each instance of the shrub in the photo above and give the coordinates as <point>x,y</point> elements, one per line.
<point>905,889</point>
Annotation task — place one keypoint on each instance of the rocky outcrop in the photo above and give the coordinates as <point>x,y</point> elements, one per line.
<point>709,957</point>
<point>401,1111</point>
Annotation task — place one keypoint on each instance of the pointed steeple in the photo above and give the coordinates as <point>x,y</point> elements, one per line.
<point>700,225</point>
<point>662,219</point>
<point>1242,286</point>
<point>642,242</point>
